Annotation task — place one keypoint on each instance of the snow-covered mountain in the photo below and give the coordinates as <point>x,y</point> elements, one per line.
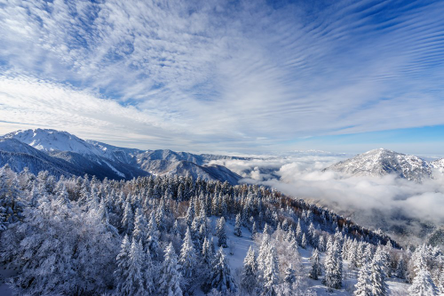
<point>379,162</point>
<point>103,160</point>
<point>438,165</point>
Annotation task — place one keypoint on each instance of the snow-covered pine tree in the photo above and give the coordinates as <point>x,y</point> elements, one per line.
<point>139,225</point>
<point>422,284</point>
<point>303,241</point>
<point>378,276</point>
<point>122,262</point>
<point>249,274</point>
<point>170,276</point>
<point>152,238</point>
<point>270,277</point>
<point>333,275</point>
<point>221,233</point>
<point>238,225</point>
<point>128,219</point>
<point>188,259</point>
<point>316,269</point>
<point>364,285</point>
<point>400,268</point>
<point>132,280</point>
<point>253,230</point>
<point>221,279</point>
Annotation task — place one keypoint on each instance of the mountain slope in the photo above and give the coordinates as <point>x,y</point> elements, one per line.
<point>438,165</point>
<point>19,155</point>
<point>103,160</point>
<point>380,162</point>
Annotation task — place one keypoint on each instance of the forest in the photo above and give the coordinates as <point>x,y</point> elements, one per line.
<point>174,235</point>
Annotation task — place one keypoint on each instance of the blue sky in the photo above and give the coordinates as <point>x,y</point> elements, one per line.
<point>236,76</point>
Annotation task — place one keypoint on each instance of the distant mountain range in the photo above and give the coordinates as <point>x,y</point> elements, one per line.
<point>380,162</point>
<point>62,153</point>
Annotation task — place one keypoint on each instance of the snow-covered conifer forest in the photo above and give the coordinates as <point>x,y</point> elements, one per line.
<point>174,235</point>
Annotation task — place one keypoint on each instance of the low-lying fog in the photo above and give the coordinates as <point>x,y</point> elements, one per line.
<point>404,209</point>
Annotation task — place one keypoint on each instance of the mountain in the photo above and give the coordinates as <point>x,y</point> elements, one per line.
<point>380,162</point>
<point>103,160</point>
<point>19,155</point>
<point>438,165</point>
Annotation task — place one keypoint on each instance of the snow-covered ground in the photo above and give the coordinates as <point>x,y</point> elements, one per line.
<point>5,290</point>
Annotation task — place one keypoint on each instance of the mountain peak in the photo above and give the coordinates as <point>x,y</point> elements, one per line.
<point>379,162</point>
<point>51,140</point>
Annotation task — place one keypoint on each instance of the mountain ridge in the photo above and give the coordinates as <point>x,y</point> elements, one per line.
<point>104,160</point>
<point>380,162</point>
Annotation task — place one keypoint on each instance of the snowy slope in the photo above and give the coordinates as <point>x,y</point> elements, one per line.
<point>438,165</point>
<point>380,162</point>
<point>103,160</point>
<point>52,140</point>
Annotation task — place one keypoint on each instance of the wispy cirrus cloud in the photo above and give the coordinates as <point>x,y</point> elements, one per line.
<point>240,76</point>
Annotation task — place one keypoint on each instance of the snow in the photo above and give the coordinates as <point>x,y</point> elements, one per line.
<point>5,290</point>
<point>379,162</point>
<point>119,173</point>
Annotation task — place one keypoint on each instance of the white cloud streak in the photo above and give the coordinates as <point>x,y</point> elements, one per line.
<point>231,76</point>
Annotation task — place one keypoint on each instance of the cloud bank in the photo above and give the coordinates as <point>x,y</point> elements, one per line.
<point>384,202</point>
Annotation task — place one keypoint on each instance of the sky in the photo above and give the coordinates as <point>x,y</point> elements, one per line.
<point>227,76</point>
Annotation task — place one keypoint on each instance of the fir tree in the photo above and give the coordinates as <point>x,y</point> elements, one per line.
<point>122,262</point>
<point>152,237</point>
<point>170,277</point>
<point>401,268</point>
<point>422,284</point>
<point>316,269</point>
<point>221,233</point>
<point>188,258</point>
<point>270,272</point>
<point>303,241</point>
<point>364,285</point>
<point>237,227</point>
<point>249,272</point>
<point>253,230</point>
<point>133,279</point>
<point>377,276</point>
<point>332,266</point>
<point>128,219</point>
<point>221,279</point>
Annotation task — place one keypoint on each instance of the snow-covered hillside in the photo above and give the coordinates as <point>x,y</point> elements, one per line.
<point>379,162</point>
<point>105,160</point>
<point>177,236</point>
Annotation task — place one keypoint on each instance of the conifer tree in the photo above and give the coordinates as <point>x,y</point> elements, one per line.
<point>378,276</point>
<point>207,255</point>
<point>122,261</point>
<point>332,266</point>
<point>290,275</point>
<point>221,279</point>
<point>152,237</point>
<point>249,272</point>
<point>303,241</point>
<point>270,276</point>
<point>128,219</point>
<point>316,269</point>
<point>188,258</point>
<point>237,226</point>
<point>422,284</point>
<point>132,281</point>
<point>401,268</point>
<point>170,277</point>
<point>139,226</point>
<point>253,230</point>
<point>221,233</point>
<point>364,285</point>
